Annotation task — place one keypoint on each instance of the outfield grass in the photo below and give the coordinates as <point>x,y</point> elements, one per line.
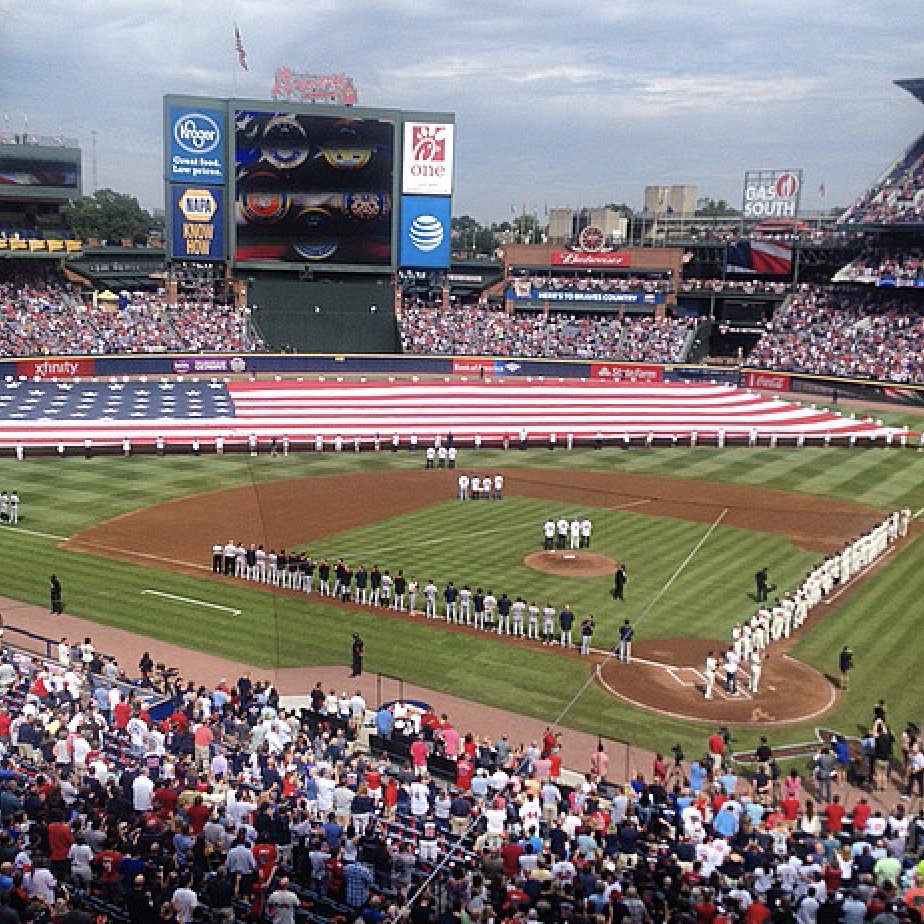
<point>882,622</point>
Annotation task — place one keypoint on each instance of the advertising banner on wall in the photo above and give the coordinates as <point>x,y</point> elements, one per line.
<point>772,194</point>
<point>197,223</point>
<point>60,367</point>
<point>590,259</point>
<point>425,232</point>
<point>428,158</point>
<point>627,372</point>
<point>583,296</point>
<point>196,145</point>
<point>767,381</point>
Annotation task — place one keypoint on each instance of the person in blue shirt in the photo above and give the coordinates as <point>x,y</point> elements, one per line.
<point>384,722</point>
<point>697,776</point>
<point>725,822</point>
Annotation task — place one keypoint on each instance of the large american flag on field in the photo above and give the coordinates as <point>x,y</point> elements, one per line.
<point>49,413</point>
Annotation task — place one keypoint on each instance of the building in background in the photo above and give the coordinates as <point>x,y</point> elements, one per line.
<point>679,199</point>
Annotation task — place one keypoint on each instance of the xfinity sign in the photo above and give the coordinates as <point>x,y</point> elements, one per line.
<point>772,194</point>
<point>195,145</point>
<point>428,158</point>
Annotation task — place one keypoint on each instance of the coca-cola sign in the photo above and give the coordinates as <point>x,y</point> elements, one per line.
<point>587,258</point>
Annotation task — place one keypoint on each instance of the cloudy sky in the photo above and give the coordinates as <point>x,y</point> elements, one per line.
<point>556,104</point>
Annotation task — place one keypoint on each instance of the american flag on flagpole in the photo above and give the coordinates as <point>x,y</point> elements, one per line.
<point>239,48</point>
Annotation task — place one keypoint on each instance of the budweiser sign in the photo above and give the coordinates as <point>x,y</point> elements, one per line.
<point>590,258</point>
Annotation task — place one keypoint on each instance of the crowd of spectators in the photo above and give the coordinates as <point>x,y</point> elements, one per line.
<point>897,267</point>
<point>849,331</point>
<point>490,332</point>
<point>896,199</point>
<point>49,317</point>
<point>232,807</point>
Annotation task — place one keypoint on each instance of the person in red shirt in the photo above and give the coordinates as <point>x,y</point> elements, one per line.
<point>860,815</point>
<point>705,909</point>
<point>107,862</point>
<point>756,913</point>
<point>121,713</point>
<point>834,815</point>
<point>548,742</point>
<point>60,839</point>
<point>197,815</point>
<point>390,797</point>
<point>165,800</point>
<point>510,858</point>
<point>790,808</point>
<point>465,770</point>
<point>717,749</point>
<point>419,753</point>
<point>554,765</point>
<point>266,857</point>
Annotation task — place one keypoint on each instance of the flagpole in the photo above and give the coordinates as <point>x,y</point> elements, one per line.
<point>234,60</point>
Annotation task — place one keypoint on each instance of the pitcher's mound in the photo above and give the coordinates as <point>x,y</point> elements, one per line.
<point>574,563</point>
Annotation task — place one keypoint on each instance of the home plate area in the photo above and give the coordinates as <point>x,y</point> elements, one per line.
<point>666,675</point>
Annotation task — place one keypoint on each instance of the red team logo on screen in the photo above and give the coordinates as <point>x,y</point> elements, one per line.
<point>429,142</point>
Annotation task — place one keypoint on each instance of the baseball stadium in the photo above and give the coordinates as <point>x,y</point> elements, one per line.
<point>307,379</point>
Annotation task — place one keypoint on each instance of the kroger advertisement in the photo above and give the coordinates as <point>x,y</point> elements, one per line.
<point>197,223</point>
<point>579,297</point>
<point>425,232</point>
<point>195,145</point>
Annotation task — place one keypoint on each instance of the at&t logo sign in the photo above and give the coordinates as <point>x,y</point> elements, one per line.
<point>196,133</point>
<point>426,233</point>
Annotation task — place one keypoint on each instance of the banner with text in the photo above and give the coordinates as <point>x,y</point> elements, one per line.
<point>768,381</point>
<point>197,224</point>
<point>590,258</point>
<point>59,367</point>
<point>627,372</point>
<point>577,296</point>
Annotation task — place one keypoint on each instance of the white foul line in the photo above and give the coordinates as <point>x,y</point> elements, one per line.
<point>214,606</point>
<point>34,532</point>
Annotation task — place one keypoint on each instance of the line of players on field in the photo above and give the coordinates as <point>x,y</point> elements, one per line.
<point>751,638</point>
<point>376,587</point>
<point>9,507</point>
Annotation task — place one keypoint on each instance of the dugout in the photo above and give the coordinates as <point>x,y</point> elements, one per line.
<point>327,315</point>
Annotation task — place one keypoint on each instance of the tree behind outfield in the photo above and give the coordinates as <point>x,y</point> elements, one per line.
<point>110,216</point>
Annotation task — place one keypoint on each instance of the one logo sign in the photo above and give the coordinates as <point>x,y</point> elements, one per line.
<point>425,238</point>
<point>426,232</point>
<point>196,145</point>
<point>428,158</point>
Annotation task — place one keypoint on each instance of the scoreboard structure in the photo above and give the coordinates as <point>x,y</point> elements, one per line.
<point>264,185</point>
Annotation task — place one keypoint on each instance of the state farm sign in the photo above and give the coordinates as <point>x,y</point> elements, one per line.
<point>627,372</point>
<point>588,258</point>
<point>427,163</point>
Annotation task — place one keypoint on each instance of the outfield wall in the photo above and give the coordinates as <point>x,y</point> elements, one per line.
<point>390,364</point>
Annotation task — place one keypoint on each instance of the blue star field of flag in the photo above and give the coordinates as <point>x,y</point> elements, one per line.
<point>102,401</point>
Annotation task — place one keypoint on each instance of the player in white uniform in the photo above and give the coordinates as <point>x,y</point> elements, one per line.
<point>548,534</point>
<point>463,487</point>
<point>490,610</point>
<point>451,455</point>
<point>575,534</point>
<point>532,621</point>
<point>548,624</point>
<point>712,666</point>
<point>561,529</point>
<point>412,595</point>
<point>430,600</point>
<point>14,507</point>
<point>465,605</point>
<point>586,529</point>
<point>498,487</point>
<point>517,612</point>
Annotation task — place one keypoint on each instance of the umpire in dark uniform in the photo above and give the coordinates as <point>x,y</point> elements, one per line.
<point>619,581</point>
<point>54,591</point>
<point>762,584</point>
<point>356,652</point>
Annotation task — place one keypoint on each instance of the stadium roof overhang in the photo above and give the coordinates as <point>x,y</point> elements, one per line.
<point>914,85</point>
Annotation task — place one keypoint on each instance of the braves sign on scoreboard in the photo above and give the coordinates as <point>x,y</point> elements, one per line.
<point>425,232</point>
<point>772,194</point>
<point>196,145</point>
<point>428,152</point>
<point>197,227</point>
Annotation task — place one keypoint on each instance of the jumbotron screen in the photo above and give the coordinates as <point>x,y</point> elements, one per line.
<point>313,189</point>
